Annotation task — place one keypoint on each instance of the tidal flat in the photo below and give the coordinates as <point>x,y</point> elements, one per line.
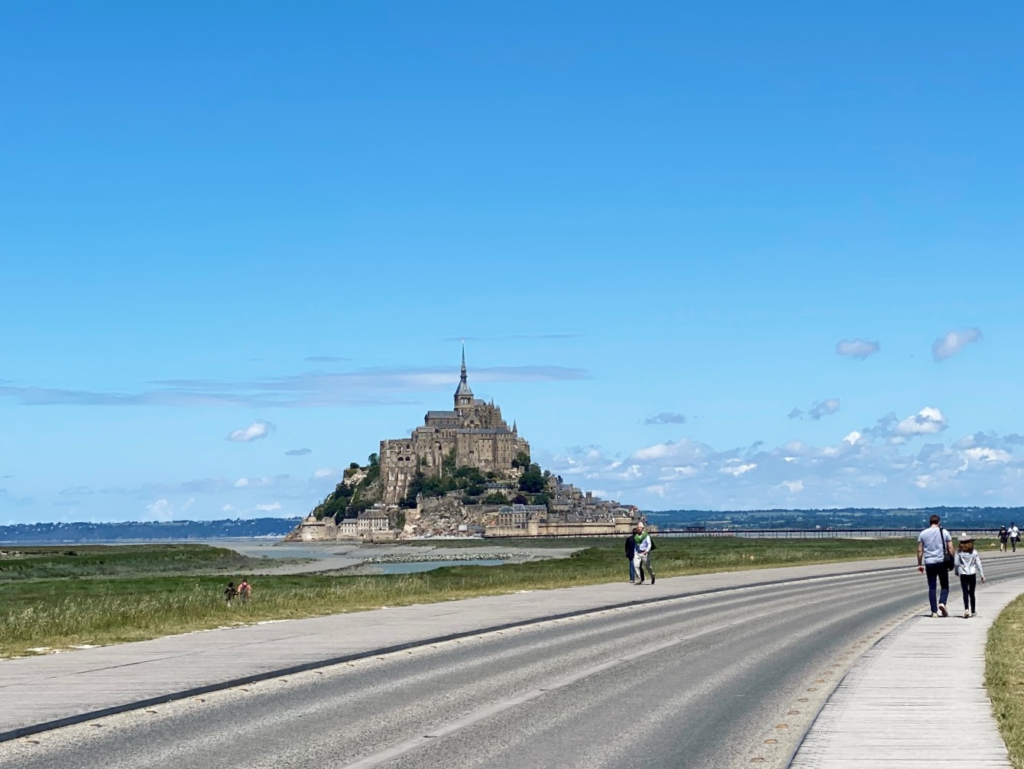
<point>51,600</point>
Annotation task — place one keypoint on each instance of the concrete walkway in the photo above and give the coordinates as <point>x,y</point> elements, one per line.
<point>917,698</point>
<point>58,689</point>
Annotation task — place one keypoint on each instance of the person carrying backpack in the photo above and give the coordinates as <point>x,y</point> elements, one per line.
<point>642,555</point>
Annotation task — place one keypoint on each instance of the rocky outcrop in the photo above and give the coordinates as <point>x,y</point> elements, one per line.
<point>446,516</point>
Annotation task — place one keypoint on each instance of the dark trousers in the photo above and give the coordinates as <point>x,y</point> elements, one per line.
<point>967,583</point>
<point>632,571</point>
<point>933,570</point>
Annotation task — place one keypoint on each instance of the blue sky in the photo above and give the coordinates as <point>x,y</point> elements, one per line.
<point>655,227</point>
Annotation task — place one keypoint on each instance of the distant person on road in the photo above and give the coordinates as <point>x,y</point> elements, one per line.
<point>642,555</point>
<point>244,590</point>
<point>230,592</point>
<point>932,546</point>
<point>968,567</point>
<point>1004,534</point>
<point>1014,536</point>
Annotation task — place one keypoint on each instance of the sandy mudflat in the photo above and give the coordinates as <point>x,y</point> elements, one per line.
<point>334,556</point>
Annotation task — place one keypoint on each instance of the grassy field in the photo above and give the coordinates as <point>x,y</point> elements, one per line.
<point>1004,676</point>
<point>51,600</point>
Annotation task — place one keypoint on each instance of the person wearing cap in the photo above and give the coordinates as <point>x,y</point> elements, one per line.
<point>932,545</point>
<point>967,565</point>
<point>642,554</point>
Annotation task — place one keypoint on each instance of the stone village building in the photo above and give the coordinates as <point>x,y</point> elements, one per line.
<point>474,431</point>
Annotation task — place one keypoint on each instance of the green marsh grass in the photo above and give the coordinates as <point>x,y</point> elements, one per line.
<point>152,601</point>
<point>1004,676</point>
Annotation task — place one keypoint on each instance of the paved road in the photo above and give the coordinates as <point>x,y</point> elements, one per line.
<point>696,682</point>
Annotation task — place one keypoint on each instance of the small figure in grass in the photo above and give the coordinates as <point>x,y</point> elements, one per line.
<point>230,592</point>
<point>244,590</point>
<point>967,565</point>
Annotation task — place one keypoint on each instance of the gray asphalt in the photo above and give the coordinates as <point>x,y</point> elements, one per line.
<point>708,681</point>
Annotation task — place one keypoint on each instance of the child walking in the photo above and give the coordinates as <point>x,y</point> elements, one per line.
<point>968,565</point>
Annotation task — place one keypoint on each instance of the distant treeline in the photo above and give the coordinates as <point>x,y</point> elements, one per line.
<point>841,518</point>
<point>57,533</point>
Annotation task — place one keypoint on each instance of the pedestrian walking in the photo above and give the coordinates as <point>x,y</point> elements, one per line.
<point>933,546</point>
<point>244,590</point>
<point>630,552</point>
<point>1014,536</point>
<point>230,592</point>
<point>642,554</point>
<point>967,566</point>
<point>1004,534</point>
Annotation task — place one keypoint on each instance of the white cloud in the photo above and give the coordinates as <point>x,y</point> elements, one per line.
<point>737,470</point>
<point>666,418</point>
<point>873,467</point>
<point>269,508</point>
<point>325,472</point>
<point>928,421</point>
<point>857,348</point>
<point>982,454</point>
<point>160,509</point>
<point>255,431</point>
<point>952,342</point>
<point>228,509</point>
<point>260,482</point>
<point>823,408</point>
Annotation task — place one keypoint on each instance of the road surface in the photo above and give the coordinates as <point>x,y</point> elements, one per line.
<point>709,681</point>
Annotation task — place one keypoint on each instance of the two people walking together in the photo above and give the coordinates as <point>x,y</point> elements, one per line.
<point>638,550</point>
<point>1011,534</point>
<point>936,558</point>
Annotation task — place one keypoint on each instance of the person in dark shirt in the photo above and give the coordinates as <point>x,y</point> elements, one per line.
<point>230,592</point>
<point>630,552</point>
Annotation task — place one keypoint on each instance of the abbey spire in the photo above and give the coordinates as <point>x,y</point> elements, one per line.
<point>463,395</point>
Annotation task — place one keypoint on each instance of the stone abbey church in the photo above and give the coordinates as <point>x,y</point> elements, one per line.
<point>474,431</point>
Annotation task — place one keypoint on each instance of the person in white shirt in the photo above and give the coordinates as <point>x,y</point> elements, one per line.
<point>1014,536</point>
<point>932,545</point>
<point>968,566</point>
<point>642,554</point>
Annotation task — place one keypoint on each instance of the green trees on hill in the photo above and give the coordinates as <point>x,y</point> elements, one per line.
<point>533,481</point>
<point>467,479</point>
<point>349,499</point>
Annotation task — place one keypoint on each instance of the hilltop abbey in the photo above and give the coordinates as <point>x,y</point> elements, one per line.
<point>474,433</point>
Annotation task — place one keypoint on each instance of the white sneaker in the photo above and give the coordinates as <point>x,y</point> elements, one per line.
<point>942,610</point>
<point>934,614</point>
<point>967,615</point>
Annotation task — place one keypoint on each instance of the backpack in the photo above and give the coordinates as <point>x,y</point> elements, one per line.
<point>653,545</point>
